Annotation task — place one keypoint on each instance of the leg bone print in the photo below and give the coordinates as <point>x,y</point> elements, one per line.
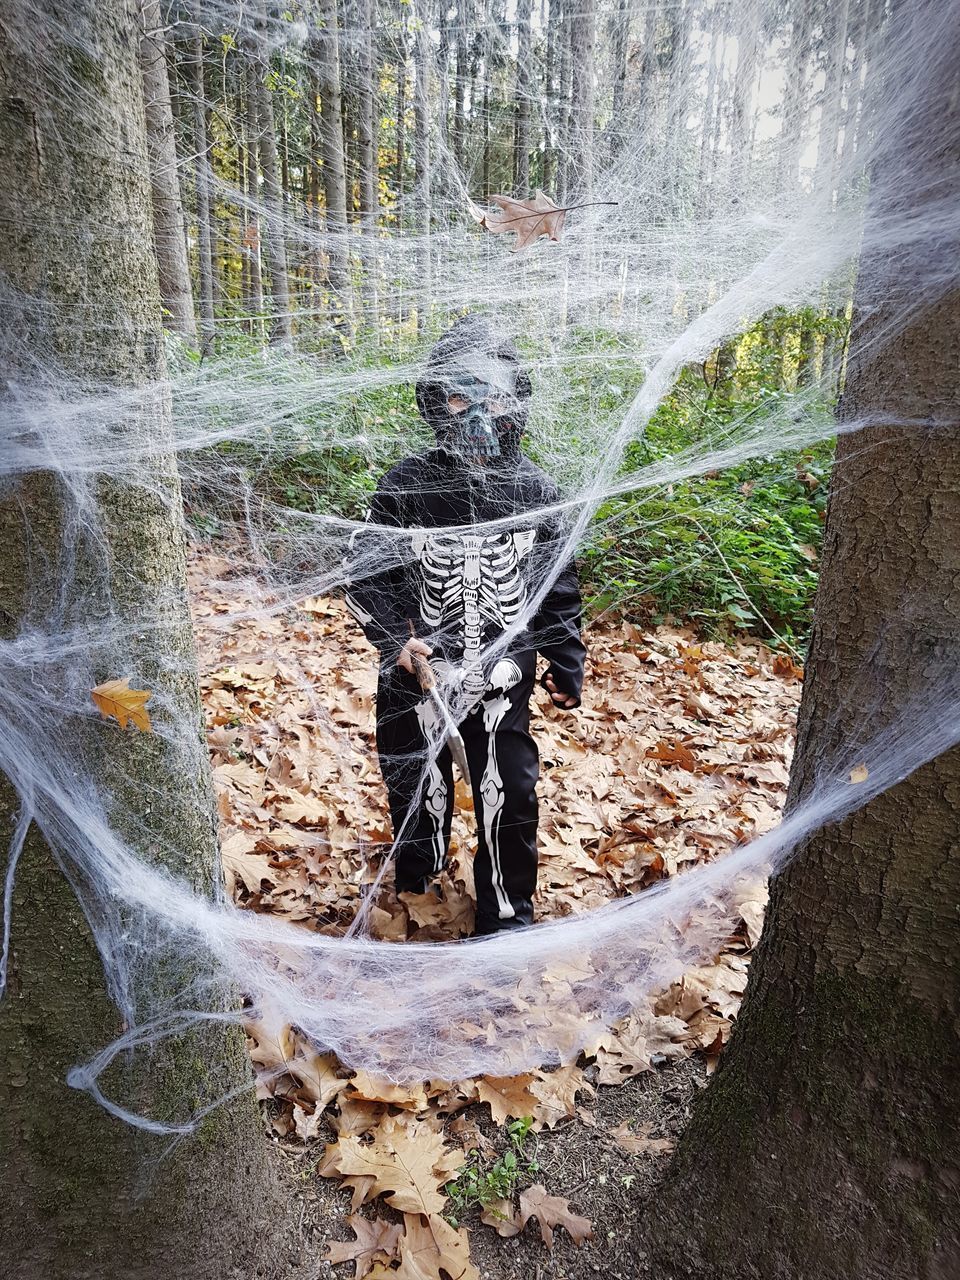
<point>435,788</point>
<point>473,580</point>
<point>496,704</point>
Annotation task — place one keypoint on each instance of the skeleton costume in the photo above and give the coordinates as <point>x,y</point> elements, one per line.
<point>461,583</point>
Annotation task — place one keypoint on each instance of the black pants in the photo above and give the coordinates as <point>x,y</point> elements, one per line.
<point>504,766</point>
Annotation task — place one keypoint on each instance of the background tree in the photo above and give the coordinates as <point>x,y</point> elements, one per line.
<point>75,242</point>
<point>326,58</point>
<point>168,225</point>
<point>274,243</point>
<point>829,1142</point>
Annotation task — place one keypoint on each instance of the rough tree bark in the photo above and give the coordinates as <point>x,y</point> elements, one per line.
<point>421,150</point>
<point>458,127</point>
<point>368,156</point>
<point>251,234</point>
<point>75,243</point>
<point>274,241</point>
<point>828,1143</point>
<point>523,90</point>
<point>168,224</point>
<point>325,55</point>
<point>579,178</point>
<point>201,143</point>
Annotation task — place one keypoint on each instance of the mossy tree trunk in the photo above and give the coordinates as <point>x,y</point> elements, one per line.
<point>828,1145</point>
<point>102,556</point>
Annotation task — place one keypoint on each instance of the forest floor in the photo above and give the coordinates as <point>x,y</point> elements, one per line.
<point>680,751</point>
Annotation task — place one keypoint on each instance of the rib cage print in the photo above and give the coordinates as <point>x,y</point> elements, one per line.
<point>472,581</point>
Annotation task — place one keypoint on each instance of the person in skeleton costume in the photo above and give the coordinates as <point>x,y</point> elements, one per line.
<point>460,579</point>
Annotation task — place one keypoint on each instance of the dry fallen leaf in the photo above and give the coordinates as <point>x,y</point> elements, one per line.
<point>430,1249</point>
<point>509,1097</point>
<point>859,773</point>
<point>406,1159</point>
<point>669,751</point>
<point>377,1241</point>
<point>116,698</point>
<point>640,1143</point>
<point>553,1211</point>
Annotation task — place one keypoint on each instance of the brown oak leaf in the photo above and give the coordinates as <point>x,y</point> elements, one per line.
<point>116,698</point>
<point>530,219</point>
<point>406,1159</point>
<point>553,1211</point>
<point>640,1143</point>
<point>377,1241</point>
<point>431,1249</point>
<point>508,1097</point>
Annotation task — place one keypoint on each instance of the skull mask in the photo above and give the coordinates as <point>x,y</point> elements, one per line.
<point>472,392</point>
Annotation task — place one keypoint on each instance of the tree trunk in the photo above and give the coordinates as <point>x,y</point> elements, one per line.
<point>521,154</point>
<point>367,150</point>
<point>401,134</point>
<point>274,242</point>
<point>564,107</point>
<point>251,235</point>
<point>367,116</point>
<point>553,23</point>
<point>168,223</point>
<point>326,56</point>
<point>75,243</point>
<point>745,79</point>
<point>828,1143</point>
<point>583,39</point>
<point>458,132</point>
<point>201,146</point>
<point>795,99</point>
<point>421,151</point>
<point>620,38</point>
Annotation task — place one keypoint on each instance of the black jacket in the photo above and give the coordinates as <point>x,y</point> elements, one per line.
<point>462,587</point>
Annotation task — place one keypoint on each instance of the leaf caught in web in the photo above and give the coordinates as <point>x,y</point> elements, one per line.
<point>116,698</point>
<point>530,219</point>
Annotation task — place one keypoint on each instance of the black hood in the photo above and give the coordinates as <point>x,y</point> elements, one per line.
<point>475,346</point>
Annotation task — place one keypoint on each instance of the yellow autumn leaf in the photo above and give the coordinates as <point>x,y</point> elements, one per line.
<point>859,773</point>
<point>127,706</point>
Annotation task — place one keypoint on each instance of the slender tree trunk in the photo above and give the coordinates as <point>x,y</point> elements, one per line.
<point>521,154</point>
<point>581,97</point>
<point>201,143</point>
<point>440,178</point>
<point>486,130</point>
<point>553,23</point>
<point>795,99</point>
<point>366,115</point>
<point>565,167</point>
<point>619,43</point>
<point>274,241</point>
<point>168,223</point>
<point>367,151</point>
<point>75,243</point>
<point>421,151</point>
<point>745,78</point>
<point>458,132</point>
<point>828,1143</point>
<point>401,134</point>
<point>251,235</point>
<point>326,53</point>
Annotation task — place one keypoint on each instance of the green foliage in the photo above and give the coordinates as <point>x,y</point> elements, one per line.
<point>482,1182</point>
<point>727,551</point>
<point>735,549</point>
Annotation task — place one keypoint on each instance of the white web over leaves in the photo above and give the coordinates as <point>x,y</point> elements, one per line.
<point>687,257</point>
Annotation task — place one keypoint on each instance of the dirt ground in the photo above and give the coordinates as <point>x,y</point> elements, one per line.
<point>578,1161</point>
